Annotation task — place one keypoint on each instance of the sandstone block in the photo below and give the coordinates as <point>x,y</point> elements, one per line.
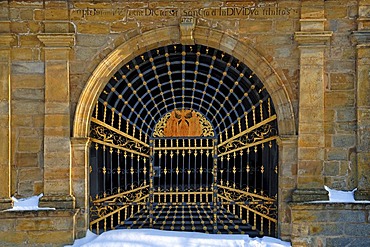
<point>28,94</point>
<point>54,237</point>
<point>249,26</point>
<point>344,140</point>
<point>26,107</point>
<point>56,187</point>
<point>29,144</point>
<point>56,14</point>
<point>56,173</point>
<point>27,81</point>
<point>310,168</point>
<point>327,229</point>
<point>13,238</point>
<point>309,182</point>
<point>27,68</point>
<point>18,27</point>
<point>29,40</point>
<point>93,28</point>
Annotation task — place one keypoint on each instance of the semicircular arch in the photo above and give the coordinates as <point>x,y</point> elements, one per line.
<point>170,35</point>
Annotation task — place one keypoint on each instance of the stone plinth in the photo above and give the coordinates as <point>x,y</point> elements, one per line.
<point>37,228</point>
<point>330,224</point>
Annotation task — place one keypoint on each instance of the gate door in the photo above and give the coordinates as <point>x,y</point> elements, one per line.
<point>184,137</point>
<point>184,186</point>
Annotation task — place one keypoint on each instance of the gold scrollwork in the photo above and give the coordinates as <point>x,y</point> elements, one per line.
<point>264,132</point>
<point>109,136</point>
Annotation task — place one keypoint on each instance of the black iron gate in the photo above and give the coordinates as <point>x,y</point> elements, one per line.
<point>184,138</point>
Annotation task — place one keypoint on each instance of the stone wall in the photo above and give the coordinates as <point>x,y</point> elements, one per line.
<point>313,56</point>
<point>330,224</point>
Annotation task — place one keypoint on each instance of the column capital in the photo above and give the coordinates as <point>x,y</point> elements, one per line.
<point>315,38</point>
<point>6,39</point>
<point>361,38</point>
<point>80,141</point>
<point>57,39</point>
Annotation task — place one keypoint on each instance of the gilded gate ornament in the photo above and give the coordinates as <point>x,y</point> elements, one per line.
<point>183,122</point>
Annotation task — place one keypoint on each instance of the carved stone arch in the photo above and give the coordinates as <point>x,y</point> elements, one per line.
<point>138,45</point>
<point>171,35</point>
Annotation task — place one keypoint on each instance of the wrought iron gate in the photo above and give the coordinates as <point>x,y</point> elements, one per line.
<point>184,138</point>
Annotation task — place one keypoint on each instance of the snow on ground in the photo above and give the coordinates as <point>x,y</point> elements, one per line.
<point>160,238</point>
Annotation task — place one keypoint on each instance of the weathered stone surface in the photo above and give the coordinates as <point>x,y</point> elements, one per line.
<point>27,68</point>
<point>319,83</point>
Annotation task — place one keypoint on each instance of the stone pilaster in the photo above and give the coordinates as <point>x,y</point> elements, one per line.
<point>362,40</point>
<point>80,181</point>
<point>312,41</point>
<point>57,151</point>
<point>5,119</point>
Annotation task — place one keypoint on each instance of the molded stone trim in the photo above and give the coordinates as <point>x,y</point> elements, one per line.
<point>57,40</point>
<point>320,38</point>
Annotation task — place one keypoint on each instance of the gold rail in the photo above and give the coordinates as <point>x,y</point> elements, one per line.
<point>270,119</point>
<point>101,123</point>
<point>247,193</point>
<point>104,199</point>
<point>118,147</point>
<point>249,145</point>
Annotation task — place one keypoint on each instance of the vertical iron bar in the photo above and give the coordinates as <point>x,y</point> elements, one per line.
<point>183,167</point>
<point>104,172</point>
<point>97,170</point>
<point>138,170</point>
<point>125,170</point>
<point>151,188</point>
<point>241,169</point>
<point>214,187</point>
<point>111,169</point>
<point>132,170</point>
<point>118,171</point>
<point>255,169</point>
<point>207,164</point>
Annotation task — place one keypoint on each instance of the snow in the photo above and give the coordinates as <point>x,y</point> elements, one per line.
<point>26,204</point>
<point>340,196</point>
<point>160,238</point>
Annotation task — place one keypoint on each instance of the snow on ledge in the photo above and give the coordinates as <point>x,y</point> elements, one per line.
<point>160,238</point>
<point>27,204</point>
<point>341,196</point>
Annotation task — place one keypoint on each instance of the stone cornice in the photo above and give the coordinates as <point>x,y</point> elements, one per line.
<point>315,38</point>
<point>6,39</point>
<point>57,39</point>
<point>361,38</point>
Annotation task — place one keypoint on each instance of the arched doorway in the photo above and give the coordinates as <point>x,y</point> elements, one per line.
<point>185,132</point>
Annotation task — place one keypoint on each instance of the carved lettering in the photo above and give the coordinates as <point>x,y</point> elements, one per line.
<point>213,12</point>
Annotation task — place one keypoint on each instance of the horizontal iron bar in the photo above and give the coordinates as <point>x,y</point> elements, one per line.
<point>101,123</point>
<point>118,147</point>
<point>247,193</point>
<point>120,194</point>
<point>116,211</point>
<point>183,148</point>
<point>249,145</point>
<point>272,118</point>
<point>252,210</point>
<point>184,193</point>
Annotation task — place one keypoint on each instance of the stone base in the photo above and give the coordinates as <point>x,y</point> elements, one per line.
<point>37,228</point>
<point>5,203</point>
<point>330,224</point>
<point>310,195</point>
<point>362,195</point>
<point>59,202</point>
